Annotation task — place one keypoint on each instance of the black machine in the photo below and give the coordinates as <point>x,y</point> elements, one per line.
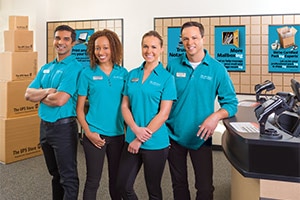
<point>265,86</point>
<point>285,107</point>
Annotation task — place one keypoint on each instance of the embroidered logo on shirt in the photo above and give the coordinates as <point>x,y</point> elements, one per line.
<point>118,77</point>
<point>154,83</point>
<point>97,77</point>
<point>135,80</point>
<point>180,74</point>
<point>46,71</point>
<point>205,77</point>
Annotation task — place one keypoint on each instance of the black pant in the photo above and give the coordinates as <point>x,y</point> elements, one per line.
<point>94,164</point>
<point>59,144</point>
<point>154,164</point>
<point>203,170</point>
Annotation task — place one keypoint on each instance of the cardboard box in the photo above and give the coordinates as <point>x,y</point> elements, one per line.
<point>18,65</point>
<point>18,22</point>
<point>19,138</point>
<point>13,103</point>
<point>286,36</point>
<point>18,41</point>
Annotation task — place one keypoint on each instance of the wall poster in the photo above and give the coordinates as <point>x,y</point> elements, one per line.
<point>230,47</point>
<point>79,50</point>
<point>283,48</point>
<point>175,46</point>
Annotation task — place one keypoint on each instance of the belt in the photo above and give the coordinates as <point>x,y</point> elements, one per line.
<point>59,121</point>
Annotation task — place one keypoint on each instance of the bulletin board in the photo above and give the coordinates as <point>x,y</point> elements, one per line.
<point>257,44</point>
<point>89,26</point>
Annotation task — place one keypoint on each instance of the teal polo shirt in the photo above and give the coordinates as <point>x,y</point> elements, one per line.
<point>196,93</point>
<point>63,77</point>
<point>104,94</point>
<point>145,99</point>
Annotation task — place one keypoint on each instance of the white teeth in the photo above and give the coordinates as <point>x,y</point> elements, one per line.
<point>149,56</point>
<point>60,47</point>
<point>101,57</point>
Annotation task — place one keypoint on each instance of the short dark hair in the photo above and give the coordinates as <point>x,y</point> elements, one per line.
<point>193,23</point>
<point>155,34</point>
<point>66,28</point>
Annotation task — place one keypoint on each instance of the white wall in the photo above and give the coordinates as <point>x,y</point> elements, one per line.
<point>37,12</point>
<point>137,14</point>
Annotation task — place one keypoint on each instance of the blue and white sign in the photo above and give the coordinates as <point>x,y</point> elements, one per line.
<point>79,50</point>
<point>283,48</point>
<point>175,46</point>
<point>230,47</point>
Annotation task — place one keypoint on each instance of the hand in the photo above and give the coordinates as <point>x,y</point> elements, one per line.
<point>142,133</point>
<point>96,139</point>
<point>134,146</point>
<point>207,128</point>
<point>50,90</point>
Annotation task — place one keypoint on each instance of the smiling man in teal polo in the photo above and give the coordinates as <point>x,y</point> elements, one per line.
<point>200,79</point>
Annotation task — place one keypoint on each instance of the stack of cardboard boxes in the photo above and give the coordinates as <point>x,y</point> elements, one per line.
<point>19,122</point>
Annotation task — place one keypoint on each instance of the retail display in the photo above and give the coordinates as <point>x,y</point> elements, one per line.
<point>19,122</point>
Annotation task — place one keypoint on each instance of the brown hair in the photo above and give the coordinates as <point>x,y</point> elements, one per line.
<point>196,24</point>
<point>155,34</point>
<point>115,46</point>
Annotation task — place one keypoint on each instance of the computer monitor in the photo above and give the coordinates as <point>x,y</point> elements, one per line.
<point>82,38</point>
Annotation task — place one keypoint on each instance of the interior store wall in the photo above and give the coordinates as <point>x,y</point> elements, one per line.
<point>138,16</point>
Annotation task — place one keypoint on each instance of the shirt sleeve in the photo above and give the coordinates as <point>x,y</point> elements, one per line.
<point>227,96</point>
<point>36,83</point>
<point>170,89</point>
<point>83,84</point>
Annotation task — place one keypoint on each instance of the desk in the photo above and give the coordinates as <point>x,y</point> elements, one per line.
<point>262,162</point>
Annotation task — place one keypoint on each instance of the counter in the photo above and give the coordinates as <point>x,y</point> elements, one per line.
<point>262,161</point>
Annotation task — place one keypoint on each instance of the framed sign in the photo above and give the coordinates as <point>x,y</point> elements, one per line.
<point>175,47</point>
<point>284,53</point>
<point>230,47</point>
<point>79,50</point>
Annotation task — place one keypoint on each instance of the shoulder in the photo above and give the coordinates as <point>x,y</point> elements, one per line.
<point>87,70</point>
<point>78,64</point>
<point>212,61</point>
<point>121,69</point>
<point>135,70</point>
<point>45,66</point>
<point>133,73</point>
<point>72,64</point>
<point>163,72</point>
<point>177,62</point>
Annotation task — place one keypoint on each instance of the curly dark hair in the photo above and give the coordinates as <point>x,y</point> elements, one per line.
<point>115,46</point>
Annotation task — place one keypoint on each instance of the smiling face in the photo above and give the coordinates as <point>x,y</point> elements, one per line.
<point>63,44</point>
<point>151,49</point>
<point>192,42</point>
<point>102,50</point>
